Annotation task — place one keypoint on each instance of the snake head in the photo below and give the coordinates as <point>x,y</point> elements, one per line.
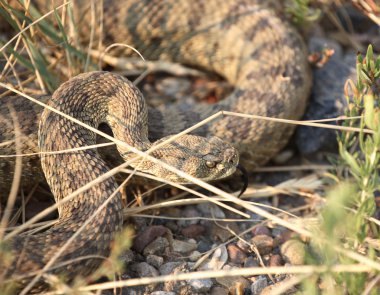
<point>204,158</point>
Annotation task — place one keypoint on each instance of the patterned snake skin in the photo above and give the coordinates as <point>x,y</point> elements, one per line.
<point>247,44</point>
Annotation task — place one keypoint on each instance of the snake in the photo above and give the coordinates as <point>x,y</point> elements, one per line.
<point>244,41</point>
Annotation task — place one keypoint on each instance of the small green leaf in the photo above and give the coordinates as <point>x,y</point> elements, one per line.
<point>369,112</point>
<point>351,162</point>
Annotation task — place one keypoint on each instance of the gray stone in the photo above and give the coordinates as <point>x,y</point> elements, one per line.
<point>327,98</point>
<point>217,290</point>
<point>155,260</point>
<point>194,256</point>
<point>128,256</point>
<point>183,247</point>
<point>158,246</point>
<point>144,269</point>
<point>251,262</point>
<point>168,267</point>
<point>259,285</point>
<point>218,259</point>
<point>201,285</point>
<point>211,210</point>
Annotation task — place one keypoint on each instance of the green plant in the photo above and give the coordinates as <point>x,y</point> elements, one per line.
<point>51,63</point>
<point>346,217</point>
<point>360,152</point>
<point>302,12</point>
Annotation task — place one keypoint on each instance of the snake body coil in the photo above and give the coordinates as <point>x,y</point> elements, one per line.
<point>247,44</point>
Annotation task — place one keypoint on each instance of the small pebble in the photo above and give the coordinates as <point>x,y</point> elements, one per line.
<point>194,256</point>
<point>263,243</point>
<point>219,231</point>
<point>183,247</point>
<point>275,260</point>
<point>219,291</point>
<point>235,254</point>
<point>251,262</point>
<point>128,256</point>
<point>147,236</point>
<point>204,246</point>
<point>259,284</point>
<point>168,267</point>
<point>155,260</point>
<point>233,282</point>
<point>162,293</point>
<point>193,231</point>
<point>173,226</point>
<point>201,285</point>
<point>261,230</point>
<point>285,235</point>
<point>211,210</point>
<point>244,246</point>
<point>144,269</point>
<point>158,246</point>
<point>218,259</point>
<point>293,251</point>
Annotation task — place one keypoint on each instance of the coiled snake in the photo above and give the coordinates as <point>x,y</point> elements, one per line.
<point>247,44</point>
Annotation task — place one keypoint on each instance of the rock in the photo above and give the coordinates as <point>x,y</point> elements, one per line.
<point>168,267</point>
<point>144,269</point>
<point>251,262</point>
<point>128,256</point>
<point>281,235</point>
<point>162,293</point>
<point>173,226</point>
<point>261,230</point>
<point>195,255</point>
<point>293,251</point>
<point>204,246</point>
<point>218,259</point>
<point>183,247</point>
<point>189,212</point>
<point>201,285</point>
<point>236,255</point>
<point>231,283</point>
<point>259,285</point>
<point>193,231</point>
<point>327,98</point>
<point>263,243</point>
<point>158,246</point>
<point>179,287</point>
<point>219,231</point>
<point>275,260</point>
<point>211,210</point>
<point>155,260</point>
<point>219,291</point>
<point>244,246</point>
<point>147,236</point>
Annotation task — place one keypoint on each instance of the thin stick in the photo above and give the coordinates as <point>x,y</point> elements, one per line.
<point>251,271</point>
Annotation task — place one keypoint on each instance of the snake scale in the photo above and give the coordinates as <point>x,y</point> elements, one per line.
<point>243,41</point>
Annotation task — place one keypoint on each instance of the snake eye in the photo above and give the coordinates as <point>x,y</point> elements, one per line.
<point>210,164</point>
